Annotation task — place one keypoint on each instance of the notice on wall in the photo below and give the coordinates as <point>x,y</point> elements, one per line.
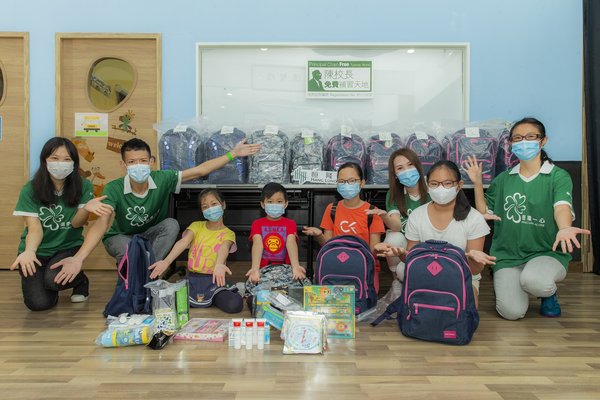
<point>339,80</point>
<point>91,124</point>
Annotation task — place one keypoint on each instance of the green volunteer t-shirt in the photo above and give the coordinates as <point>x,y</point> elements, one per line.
<point>135,214</point>
<point>55,219</point>
<point>527,228</point>
<point>410,206</point>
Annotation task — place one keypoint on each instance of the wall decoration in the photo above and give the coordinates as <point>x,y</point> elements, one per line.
<point>91,124</point>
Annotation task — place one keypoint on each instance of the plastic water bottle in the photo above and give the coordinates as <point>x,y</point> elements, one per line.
<point>237,334</point>
<point>260,333</point>
<point>249,333</point>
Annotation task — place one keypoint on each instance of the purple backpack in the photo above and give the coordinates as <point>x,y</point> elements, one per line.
<point>437,302</point>
<point>459,146</point>
<point>341,149</point>
<point>378,155</point>
<point>505,159</point>
<point>428,149</point>
<point>347,260</point>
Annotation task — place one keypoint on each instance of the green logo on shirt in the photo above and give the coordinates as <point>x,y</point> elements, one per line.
<point>515,207</point>
<point>136,215</point>
<point>51,217</point>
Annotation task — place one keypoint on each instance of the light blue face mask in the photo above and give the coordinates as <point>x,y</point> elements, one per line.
<point>526,149</point>
<point>274,210</point>
<point>139,172</point>
<point>409,177</point>
<point>213,214</point>
<point>348,190</point>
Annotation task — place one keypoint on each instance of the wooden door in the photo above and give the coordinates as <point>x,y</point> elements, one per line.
<point>14,137</point>
<point>78,90</point>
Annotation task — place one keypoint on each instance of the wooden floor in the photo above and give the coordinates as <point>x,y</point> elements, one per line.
<point>51,355</point>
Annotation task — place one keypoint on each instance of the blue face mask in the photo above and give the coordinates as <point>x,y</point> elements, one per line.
<point>274,210</point>
<point>409,177</point>
<point>348,190</point>
<point>213,214</point>
<point>526,149</point>
<point>139,172</point>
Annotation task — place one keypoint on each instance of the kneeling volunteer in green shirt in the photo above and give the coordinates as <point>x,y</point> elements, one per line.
<point>533,212</point>
<point>141,200</point>
<point>55,205</point>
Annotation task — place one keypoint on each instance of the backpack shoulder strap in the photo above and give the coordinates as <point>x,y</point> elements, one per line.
<point>394,307</point>
<point>370,217</point>
<point>332,213</point>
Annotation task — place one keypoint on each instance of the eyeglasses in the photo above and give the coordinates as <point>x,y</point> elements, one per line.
<point>446,184</point>
<point>529,136</point>
<point>351,181</point>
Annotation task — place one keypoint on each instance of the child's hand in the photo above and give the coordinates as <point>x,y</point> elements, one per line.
<point>253,275</point>
<point>219,274</point>
<point>481,258</point>
<point>298,271</point>
<point>386,250</point>
<point>158,268</point>
<point>311,231</point>
<point>375,211</point>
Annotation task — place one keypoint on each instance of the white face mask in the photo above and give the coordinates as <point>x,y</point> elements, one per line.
<point>60,169</point>
<point>441,195</point>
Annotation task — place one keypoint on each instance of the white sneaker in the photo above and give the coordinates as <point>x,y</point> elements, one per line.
<point>78,298</point>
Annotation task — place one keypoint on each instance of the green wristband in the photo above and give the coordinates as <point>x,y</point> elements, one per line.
<point>229,155</point>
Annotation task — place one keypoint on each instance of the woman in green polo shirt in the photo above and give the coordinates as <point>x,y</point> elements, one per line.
<point>55,206</point>
<point>533,212</point>
<point>407,192</point>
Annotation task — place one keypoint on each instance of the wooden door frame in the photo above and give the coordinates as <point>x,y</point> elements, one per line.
<point>26,140</point>
<point>59,37</point>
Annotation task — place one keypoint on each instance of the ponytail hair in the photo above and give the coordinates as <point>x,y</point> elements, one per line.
<point>541,130</point>
<point>462,207</point>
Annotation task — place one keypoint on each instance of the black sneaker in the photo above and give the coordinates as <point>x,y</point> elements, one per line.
<point>81,292</point>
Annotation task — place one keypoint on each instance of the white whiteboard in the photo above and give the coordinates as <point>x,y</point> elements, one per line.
<point>242,84</point>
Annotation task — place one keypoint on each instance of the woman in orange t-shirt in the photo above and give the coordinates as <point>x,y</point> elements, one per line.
<point>351,214</point>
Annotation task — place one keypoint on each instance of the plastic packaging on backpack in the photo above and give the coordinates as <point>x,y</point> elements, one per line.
<point>345,147</point>
<point>180,145</point>
<point>271,164</point>
<point>505,158</point>
<point>217,145</point>
<point>477,142</point>
<point>428,148</point>
<point>307,151</point>
<point>379,149</point>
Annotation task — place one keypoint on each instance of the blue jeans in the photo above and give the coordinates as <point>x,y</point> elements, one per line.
<point>162,236</point>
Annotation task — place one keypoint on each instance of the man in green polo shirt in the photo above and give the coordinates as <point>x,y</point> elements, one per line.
<point>141,200</point>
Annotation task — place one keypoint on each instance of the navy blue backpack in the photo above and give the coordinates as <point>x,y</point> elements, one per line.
<point>130,295</point>
<point>378,155</point>
<point>219,144</point>
<point>342,149</point>
<point>347,260</point>
<point>437,302</point>
<point>181,150</point>
<point>427,147</point>
<point>484,146</point>
<point>505,159</point>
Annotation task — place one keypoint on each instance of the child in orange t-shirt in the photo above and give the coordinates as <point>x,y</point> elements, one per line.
<point>351,214</point>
